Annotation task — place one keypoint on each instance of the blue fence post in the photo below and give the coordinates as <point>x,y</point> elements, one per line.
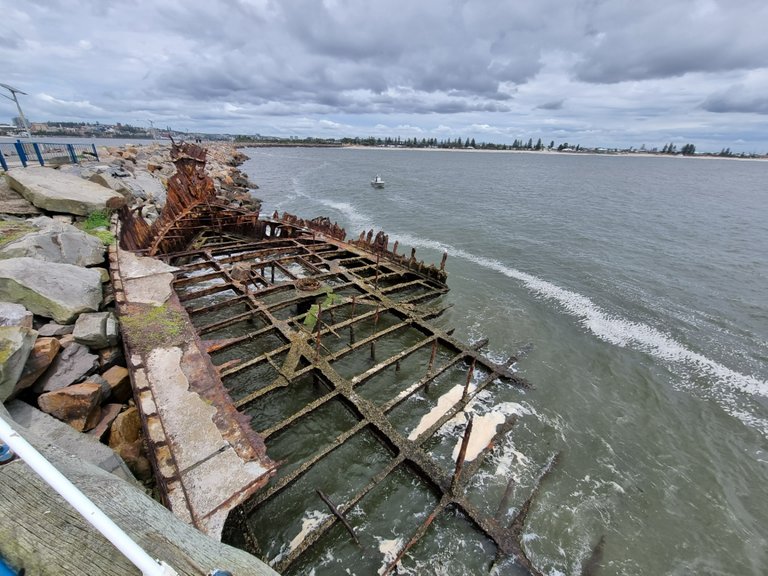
<point>36,148</point>
<point>3,163</point>
<point>72,155</point>
<point>20,151</point>
<point>95,154</point>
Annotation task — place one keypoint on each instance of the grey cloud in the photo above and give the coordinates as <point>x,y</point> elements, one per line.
<point>10,40</point>
<point>735,100</point>
<point>553,105</point>
<point>660,39</point>
<point>428,63</point>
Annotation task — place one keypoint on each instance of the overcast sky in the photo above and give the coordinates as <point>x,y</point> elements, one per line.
<point>593,72</point>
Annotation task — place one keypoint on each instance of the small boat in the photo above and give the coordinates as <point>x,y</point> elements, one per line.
<point>377,182</point>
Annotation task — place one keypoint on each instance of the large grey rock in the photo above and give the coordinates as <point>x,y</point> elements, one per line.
<point>11,201</point>
<point>15,345</point>
<point>56,242</point>
<point>108,181</point>
<point>83,447</point>
<point>58,291</point>
<point>54,329</point>
<point>60,192</point>
<point>151,188</point>
<point>14,315</point>
<point>72,364</point>
<point>96,330</point>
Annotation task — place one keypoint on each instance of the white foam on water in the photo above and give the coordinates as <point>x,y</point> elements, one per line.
<point>309,522</point>
<point>484,428</point>
<point>623,332</point>
<point>444,404</point>
<point>357,220</point>
<point>390,549</point>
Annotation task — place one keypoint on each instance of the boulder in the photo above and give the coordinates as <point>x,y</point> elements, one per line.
<point>15,345</point>
<point>58,291</point>
<point>66,340</point>
<point>59,192</point>
<point>12,203</point>
<point>125,439</point>
<point>119,383</point>
<point>108,414</point>
<point>149,213</point>
<point>77,405</point>
<point>126,429</point>
<point>40,358</point>
<point>74,363</point>
<point>108,357</point>
<point>56,242</point>
<point>80,448</point>
<point>54,329</point>
<point>152,188</point>
<point>96,330</point>
<point>103,384</point>
<point>15,315</point>
<point>109,181</point>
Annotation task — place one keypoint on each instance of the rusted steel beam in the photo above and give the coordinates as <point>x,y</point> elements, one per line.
<point>456,480</point>
<point>329,522</point>
<point>216,305</point>
<point>390,361</point>
<point>339,515</point>
<point>519,520</point>
<point>445,501</point>
<point>408,392</point>
<point>205,292</point>
<point>244,316</point>
<point>286,481</point>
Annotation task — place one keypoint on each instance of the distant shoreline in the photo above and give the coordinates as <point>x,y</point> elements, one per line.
<point>555,152</point>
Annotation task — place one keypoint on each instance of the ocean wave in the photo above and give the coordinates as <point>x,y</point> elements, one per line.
<point>357,220</point>
<point>620,331</point>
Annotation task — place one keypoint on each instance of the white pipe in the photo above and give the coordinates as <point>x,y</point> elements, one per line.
<point>89,511</point>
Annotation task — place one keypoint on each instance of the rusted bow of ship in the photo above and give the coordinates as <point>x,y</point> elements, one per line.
<point>290,381</point>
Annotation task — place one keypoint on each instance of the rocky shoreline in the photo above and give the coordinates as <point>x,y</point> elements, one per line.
<point>59,336</point>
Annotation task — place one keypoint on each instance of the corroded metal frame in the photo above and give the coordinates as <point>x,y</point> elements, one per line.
<point>232,260</point>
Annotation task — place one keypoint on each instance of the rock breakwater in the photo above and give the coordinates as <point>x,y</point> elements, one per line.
<point>60,346</point>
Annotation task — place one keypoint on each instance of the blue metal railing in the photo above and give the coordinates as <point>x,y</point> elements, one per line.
<point>44,153</point>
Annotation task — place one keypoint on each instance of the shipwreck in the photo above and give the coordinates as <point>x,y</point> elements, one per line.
<point>290,380</point>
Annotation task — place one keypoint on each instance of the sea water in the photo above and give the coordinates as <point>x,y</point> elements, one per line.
<point>634,292</point>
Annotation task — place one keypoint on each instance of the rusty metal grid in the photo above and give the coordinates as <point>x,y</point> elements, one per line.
<point>263,290</point>
<point>283,303</point>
